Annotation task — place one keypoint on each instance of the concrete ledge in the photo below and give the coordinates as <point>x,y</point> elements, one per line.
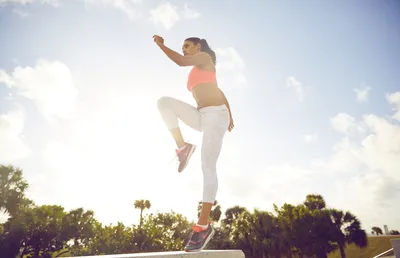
<point>387,254</point>
<point>396,246</point>
<point>178,254</point>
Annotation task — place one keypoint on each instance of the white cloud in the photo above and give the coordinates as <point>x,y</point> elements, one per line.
<point>362,94</point>
<point>230,67</point>
<point>165,14</point>
<point>130,7</point>
<point>19,4</point>
<point>310,138</point>
<point>293,83</point>
<point>5,78</point>
<point>277,184</point>
<point>371,166</point>
<point>370,159</point>
<point>54,3</point>
<point>12,144</point>
<point>189,13</point>
<point>394,99</point>
<point>345,123</point>
<point>344,158</point>
<point>342,122</point>
<point>360,174</point>
<point>21,13</point>
<point>381,148</point>
<point>49,84</point>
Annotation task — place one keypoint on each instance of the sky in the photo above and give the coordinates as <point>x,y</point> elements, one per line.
<point>313,88</point>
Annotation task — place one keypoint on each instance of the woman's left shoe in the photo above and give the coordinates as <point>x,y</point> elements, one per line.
<point>184,155</point>
<point>199,238</point>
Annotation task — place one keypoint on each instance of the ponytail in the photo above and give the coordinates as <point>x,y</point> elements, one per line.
<point>204,47</point>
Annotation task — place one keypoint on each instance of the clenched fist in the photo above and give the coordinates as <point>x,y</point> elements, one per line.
<point>159,40</point>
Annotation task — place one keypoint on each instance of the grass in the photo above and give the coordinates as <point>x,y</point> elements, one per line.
<point>376,245</point>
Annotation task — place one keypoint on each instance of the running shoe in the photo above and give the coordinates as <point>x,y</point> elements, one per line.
<point>199,238</point>
<point>184,155</point>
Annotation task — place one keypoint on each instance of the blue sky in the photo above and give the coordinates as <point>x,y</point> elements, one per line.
<point>313,88</point>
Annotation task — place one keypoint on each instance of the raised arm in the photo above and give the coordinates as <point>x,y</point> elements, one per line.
<point>200,58</point>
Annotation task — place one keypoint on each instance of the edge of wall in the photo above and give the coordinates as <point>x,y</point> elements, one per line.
<point>176,254</point>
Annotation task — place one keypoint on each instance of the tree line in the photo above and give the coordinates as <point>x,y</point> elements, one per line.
<point>309,229</point>
<point>378,231</point>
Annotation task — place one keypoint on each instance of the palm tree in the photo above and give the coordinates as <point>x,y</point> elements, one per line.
<point>348,230</point>
<point>232,214</point>
<point>259,234</point>
<point>142,204</point>
<point>241,234</point>
<point>315,202</point>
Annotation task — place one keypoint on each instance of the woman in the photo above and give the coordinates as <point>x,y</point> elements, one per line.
<point>212,117</point>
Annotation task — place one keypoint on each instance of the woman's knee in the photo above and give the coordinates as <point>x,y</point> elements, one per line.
<point>165,101</point>
<point>161,102</point>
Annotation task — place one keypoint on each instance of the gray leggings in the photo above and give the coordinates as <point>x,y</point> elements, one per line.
<point>213,121</point>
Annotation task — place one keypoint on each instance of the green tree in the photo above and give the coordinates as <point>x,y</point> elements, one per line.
<point>394,232</point>
<point>377,231</point>
<point>308,228</point>
<point>163,232</point>
<point>294,221</point>
<point>220,240</point>
<point>259,234</point>
<point>35,231</point>
<point>12,189</point>
<point>78,227</point>
<point>321,231</point>
<point>142,204</point>
<point>41,231</point>
<point>231,215</point>
<point>241,234</point>
<point>347,230</point>
<point>315,202</point>
<point>110,239</point>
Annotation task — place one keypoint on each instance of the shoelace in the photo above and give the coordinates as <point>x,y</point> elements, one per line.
<point>195,234</point>
<point>194,237</point>
<point>176,157</point>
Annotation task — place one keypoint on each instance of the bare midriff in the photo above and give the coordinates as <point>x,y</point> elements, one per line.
<point>207,94</point>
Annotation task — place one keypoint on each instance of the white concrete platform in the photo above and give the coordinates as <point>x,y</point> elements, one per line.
<point>178,254</point>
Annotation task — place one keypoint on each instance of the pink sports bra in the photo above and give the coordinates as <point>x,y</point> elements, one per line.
<point>197,76</point>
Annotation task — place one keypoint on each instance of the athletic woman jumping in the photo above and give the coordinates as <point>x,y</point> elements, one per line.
<point>212,117</point>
